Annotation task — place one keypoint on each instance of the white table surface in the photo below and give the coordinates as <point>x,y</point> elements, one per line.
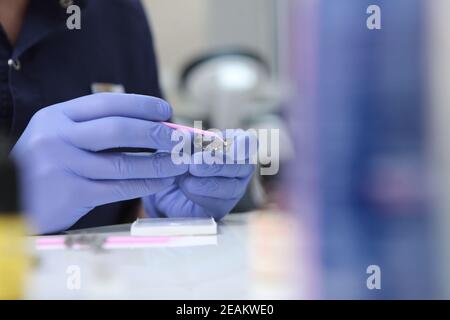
<point>217,270</point>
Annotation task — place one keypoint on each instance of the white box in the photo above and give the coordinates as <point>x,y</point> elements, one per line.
<point>173,227</point>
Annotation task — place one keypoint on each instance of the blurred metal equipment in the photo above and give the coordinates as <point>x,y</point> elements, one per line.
<point>236,89</point>
<point>230,87</point>
<point>92,241</point>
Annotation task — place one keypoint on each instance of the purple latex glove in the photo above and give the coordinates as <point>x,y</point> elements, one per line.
<point>63,176</point>
<point>207,190</point>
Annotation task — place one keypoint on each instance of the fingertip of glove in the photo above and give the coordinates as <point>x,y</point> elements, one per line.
<point>164,109</point>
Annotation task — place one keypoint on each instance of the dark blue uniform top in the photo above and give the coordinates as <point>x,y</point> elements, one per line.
<point>54,64</point>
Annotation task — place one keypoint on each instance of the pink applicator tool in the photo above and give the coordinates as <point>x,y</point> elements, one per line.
<point>193,130</point>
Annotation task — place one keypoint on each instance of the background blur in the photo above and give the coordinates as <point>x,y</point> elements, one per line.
<point>202,26</point>
<point>363,125</point>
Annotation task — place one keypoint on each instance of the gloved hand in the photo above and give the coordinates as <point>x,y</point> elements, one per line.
<point>207,190</point>
<point>63,176</point>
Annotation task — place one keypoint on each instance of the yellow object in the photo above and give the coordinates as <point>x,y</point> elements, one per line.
<point>13,256</point>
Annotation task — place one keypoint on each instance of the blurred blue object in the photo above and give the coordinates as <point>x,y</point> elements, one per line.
<point>363,95</point>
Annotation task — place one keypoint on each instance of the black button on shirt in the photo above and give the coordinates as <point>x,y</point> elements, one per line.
<point>6,103</point>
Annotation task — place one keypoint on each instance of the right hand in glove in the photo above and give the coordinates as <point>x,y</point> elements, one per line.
<point>63,176</point>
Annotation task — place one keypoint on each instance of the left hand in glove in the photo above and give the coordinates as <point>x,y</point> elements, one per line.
<point>207,190</point>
